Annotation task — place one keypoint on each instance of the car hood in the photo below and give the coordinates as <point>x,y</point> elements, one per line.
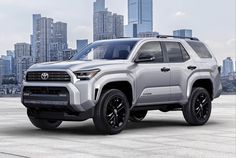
<point>75,65</point>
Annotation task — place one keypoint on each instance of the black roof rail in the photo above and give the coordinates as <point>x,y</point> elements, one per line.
<point>122,37</point>
<point>181,37</point>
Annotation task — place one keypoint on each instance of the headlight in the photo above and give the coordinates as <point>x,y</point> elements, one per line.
<point>86,74</point>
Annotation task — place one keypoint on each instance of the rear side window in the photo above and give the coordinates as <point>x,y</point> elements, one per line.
<point>200,49</point>
<point>176,52</point>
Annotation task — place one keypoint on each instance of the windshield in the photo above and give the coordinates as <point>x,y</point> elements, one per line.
<point>106,50</point>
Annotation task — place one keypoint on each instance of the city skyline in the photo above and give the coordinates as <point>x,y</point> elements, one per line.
<point>218,33</point>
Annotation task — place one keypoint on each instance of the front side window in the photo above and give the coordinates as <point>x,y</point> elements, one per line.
<point>106,50</point>
<point>151,49</point>
<point>200,49</point>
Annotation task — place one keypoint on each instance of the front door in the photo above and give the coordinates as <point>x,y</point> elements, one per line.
<point>152,77</point>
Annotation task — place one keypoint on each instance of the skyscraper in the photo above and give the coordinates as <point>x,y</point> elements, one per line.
<point>103,25</point>
<point>80,44</point>
<point>140,17</point>
<point>99,5</point>
<point>59,41</point>
<point>118,25</point>
<point>183,33</point>
<point>228,66</point>
<point>48,38</point>
<point>7,61</point>
<point>44,39</point>
<point>23,59</point>
<point>106,25</point>
<point>34,37</point>
<point>12,55</point>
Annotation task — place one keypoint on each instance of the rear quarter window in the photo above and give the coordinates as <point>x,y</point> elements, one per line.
<point>200,49</point>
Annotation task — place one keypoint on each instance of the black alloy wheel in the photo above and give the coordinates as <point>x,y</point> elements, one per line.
<point>111,112</point>
<point>116,112</point>
<point>198,109</point>
<point>201,107</point>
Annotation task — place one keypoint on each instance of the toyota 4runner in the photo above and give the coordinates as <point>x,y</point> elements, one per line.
<point>113,81</point>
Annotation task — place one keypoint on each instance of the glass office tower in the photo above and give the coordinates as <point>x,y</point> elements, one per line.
<point>140,17</point>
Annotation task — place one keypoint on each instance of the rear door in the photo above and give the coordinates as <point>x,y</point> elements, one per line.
<point>181,68</point>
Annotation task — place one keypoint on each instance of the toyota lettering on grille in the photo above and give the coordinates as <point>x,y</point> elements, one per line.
<point>44,76</point>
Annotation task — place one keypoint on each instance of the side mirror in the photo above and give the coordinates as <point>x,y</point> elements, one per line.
<point>145,57</point>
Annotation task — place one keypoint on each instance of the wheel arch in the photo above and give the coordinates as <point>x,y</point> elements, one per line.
<point>122,82</point>
<point>204,82</point>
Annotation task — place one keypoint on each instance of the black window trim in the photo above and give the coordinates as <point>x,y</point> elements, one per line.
<point>166,54</point>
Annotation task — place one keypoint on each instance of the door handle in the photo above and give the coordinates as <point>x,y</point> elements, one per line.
<point>165,69</point>
<point>192,67</point>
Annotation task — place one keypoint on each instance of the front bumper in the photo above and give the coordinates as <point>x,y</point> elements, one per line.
<point>56,97</point>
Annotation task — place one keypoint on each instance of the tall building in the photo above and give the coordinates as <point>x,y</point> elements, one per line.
<point>103,25</point>
<point>59,41</point>
<point>7,60</point>
<point>12,57</point>
<point>118,25</point>
<point>34,36</point>
<point>80,44</point>
<point>24,59</point>
<point>183,33</point>
<point>228,66</point>
<point>140,17</point>
<point>99,5</point>
<point>48,38</point>
<point>106,25</point>
<point>44,39</point>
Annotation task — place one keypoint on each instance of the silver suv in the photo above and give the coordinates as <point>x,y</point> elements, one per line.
<point>113,81</point>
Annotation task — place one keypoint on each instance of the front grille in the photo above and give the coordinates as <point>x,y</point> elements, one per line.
<point>52,76</point>
<point>46,90</point>
<point>45,96</point>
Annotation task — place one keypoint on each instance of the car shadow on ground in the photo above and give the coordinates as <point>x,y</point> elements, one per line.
<point>89,129</point>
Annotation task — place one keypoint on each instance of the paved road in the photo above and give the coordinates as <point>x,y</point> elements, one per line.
<point>159,135</point>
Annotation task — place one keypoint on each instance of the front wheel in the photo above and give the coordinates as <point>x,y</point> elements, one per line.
<point>198,109</point>
<point>112,112</point>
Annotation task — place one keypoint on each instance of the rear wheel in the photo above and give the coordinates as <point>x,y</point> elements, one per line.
<point>44,124</point>
<point>137,116</point>
<point>198,109</point>
<point>112,112</point>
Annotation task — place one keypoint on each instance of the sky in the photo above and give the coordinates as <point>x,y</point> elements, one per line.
<point>212,21</point>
